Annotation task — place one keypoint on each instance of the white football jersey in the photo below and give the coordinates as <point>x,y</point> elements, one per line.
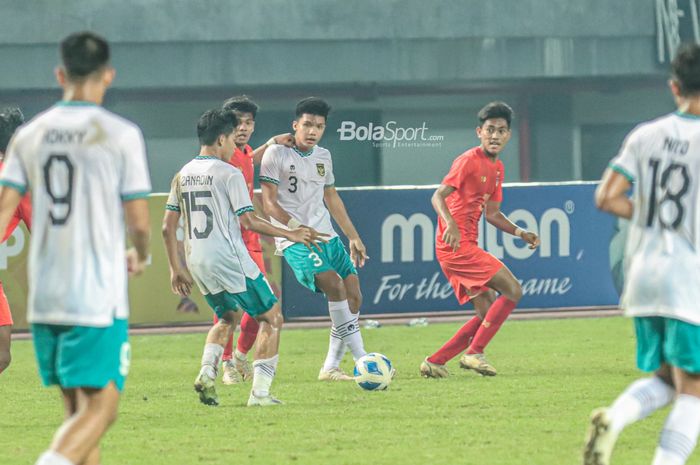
<point>662,258</point>
<point>80,162</point>
<point>301,180</point>
<point>211,194</point>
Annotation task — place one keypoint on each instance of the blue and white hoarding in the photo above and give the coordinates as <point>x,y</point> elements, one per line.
<point>571,268</point>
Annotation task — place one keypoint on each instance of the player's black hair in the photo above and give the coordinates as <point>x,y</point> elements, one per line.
<point>83,53</point>
<point>313,106</point>
<point>10,119</point>
<point>685,69</point>
<point>241,104</point>
<point>214,123</point>
<point>495,110</point>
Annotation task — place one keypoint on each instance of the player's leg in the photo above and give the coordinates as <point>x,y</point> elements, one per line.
<point>90,364</point>
<point>217,337</point>
<point>680,432</point>
<point>640,399</point>
<point>5,342</point>
<point>434,365</point>
<point>249,332</point>
<point>77,441</point>
<point>505,283</point>
<point>266,357</point>
<point>228,348</point>
<point>5,331</point>
<point>346,322</point>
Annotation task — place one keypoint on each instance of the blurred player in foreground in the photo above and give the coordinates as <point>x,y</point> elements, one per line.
<point>662,266</point>
<point>88,175</point>
<point>10,120</point>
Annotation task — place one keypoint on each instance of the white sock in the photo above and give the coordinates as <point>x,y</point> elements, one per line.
<point>639,400</point>
<point>211,359</point>
<point>263,373</point>
<point>53,458</point>
<point>336,351</point>
<point>680,433</point>
<point>240,355</point>
<point>347,326</point>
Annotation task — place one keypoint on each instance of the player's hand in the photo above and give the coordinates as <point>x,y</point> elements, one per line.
<point>531,238</point>
<point>316,237</point>
<point>452,236</point>
<point>286,139</point>
<point>358,253</point>
<point>134,265</point>
<point>181,282</point>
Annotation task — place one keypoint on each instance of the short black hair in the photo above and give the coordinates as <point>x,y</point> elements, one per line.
<point>83,53</point>
<point>313,106</point>
<point>495,110</point>
<point>10,119</point>
<point>214,123</point>
<point>241,104</point>
<point>685,68</point>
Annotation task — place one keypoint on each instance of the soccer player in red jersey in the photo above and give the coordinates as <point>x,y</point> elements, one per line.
<point>474,184</point>
<point>236,366</point>
<point>10,120</point>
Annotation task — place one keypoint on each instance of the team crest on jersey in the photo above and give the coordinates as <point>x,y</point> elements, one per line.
<point>292,168</point>
<point>321,169</point>
<point>483,179</point>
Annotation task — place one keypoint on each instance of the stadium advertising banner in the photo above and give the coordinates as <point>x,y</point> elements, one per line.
<point>571,268</point>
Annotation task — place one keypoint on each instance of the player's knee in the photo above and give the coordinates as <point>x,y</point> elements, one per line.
<point>355,301</point>
<point>5,359</point>
<point>514,291</point>
<point>334,288</point>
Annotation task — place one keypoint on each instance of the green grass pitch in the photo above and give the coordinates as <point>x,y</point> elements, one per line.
<point>551,375</point>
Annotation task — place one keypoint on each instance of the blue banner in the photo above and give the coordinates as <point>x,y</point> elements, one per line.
<point>571,268</point>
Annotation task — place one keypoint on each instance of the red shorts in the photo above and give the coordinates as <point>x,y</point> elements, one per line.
<point>468,270</point>
<point>257,257</point>
<point>5,315</point>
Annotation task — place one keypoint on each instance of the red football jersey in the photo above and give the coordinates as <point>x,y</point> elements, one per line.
<point>243,160</point>
<point>23,213</point>
<point>477,180</point>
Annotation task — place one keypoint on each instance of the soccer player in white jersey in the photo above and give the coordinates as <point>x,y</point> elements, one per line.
<point>88,176</point>
<point>662,260</point>
<point>212,196</point>
<point>296,183</point>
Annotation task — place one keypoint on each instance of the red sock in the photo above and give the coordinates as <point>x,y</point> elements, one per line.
<point>457,343</point>
<point>228,350</point>
<point>249,331</point>
<point>497,314</point>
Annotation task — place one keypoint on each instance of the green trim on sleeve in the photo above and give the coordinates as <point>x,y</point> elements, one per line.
<point>135,196</point>
<point>172,208</point>
<point>243,210</point>
<point>269,180</point>
<point>329,186</point>
<point>622,171</point>
<point>18,187</point>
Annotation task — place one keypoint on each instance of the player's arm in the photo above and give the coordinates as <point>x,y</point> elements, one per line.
<point>286,139</point>
<point>9,200</point>
<point>254,223</point>
<point>611,194</point>
<point>451,236</point>
<point>180,278</point>
<point>271,206</point>
<point>336,207</point>
<point>495,216</point>
<point>138,228</point>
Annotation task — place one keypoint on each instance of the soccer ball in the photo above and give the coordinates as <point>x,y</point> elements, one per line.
<point>373,372</point>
